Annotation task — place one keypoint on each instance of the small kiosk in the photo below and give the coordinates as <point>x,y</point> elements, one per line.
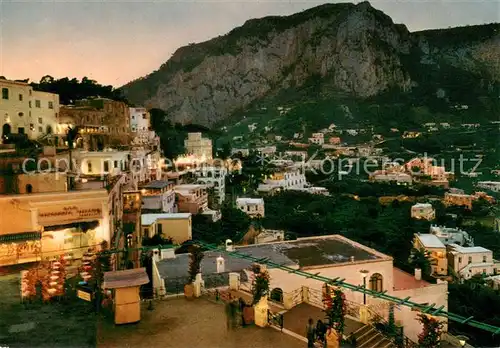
<point>125,285</point>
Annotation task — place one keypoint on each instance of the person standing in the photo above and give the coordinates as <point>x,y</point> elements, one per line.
<point>311,333</point>
<point>321,332</point>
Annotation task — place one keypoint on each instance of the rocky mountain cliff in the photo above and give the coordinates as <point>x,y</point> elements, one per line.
<point>353,49</point>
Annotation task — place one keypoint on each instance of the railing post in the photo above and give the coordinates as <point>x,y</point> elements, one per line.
<point>288,300</point>
<point>305,294</point>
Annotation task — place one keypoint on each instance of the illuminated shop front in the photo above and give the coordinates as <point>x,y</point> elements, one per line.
<point>59,224</point>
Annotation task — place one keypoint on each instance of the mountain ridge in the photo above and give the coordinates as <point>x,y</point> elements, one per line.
<point>356,49</point>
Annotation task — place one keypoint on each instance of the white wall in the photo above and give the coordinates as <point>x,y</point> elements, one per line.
<point>436,293</point>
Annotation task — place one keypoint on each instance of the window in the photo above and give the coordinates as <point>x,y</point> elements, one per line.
<point>277,295</point>
<point>20,97</point>
<point>29,103</point>
<point>20,130</point>
<point>143,116</point>
<point>5,93</point>
<point>32,126</point>
<point>470,259</point>
<point>40,129</point>
<point>20,114</point>
<point>89,167</point>
<point>460,260</point>
<point>106,166</point>
<point>133,117</point>
<point>160,229</point>
<point>51,105</point>
<point>37,103</point>
<point>115,164</point>
<point>40,120</point>
<point>376,282</point>
<point>484,258</point>
<point>146,231</point>
<point>29,188</point>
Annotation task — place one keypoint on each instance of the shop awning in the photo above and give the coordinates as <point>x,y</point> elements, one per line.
<point>126,278</point>
<point>84,226</point>
<point>20,237</point>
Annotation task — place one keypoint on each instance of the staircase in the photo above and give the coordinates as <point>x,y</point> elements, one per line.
<point>368,337</point>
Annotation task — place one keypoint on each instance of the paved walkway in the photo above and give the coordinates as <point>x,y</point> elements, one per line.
<point>177,323</point>
<point>296,319</point>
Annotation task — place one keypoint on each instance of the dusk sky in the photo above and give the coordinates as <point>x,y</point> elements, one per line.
<point>115,42</point>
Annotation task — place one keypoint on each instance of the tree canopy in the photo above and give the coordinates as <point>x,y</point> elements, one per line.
<point>70,90</point>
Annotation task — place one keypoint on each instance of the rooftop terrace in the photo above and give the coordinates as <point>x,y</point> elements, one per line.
<point>301,253</point>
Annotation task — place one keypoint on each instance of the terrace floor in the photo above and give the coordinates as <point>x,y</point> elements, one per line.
<point>179,322</point>
<point>296,319</point>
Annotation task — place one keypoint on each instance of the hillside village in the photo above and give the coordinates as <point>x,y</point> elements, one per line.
<point>103,158</point>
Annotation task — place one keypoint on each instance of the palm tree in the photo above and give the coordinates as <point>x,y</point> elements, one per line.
<point>420,258</point>
<point>72,134</point>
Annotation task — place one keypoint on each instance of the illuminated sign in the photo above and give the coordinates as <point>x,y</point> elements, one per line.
<point>84,295</point>
<point>68,214</point>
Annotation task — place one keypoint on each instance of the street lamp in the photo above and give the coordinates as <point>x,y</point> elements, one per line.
<point>462,340</point>
<point>364,274</point>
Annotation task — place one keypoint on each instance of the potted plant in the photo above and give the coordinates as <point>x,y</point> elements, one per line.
<point>248,312</point>
<point>260,284</point>
<point>431,333</point>
<point>195,258</point>
<point>335,310</point>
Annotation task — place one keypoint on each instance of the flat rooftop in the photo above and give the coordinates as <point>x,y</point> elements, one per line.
<point>302,253</point>
<point>148,219</point>
<point>405,281</point>
<point>244,200</point>
<point>157,184</point>
<point>306,252</point>
<point>430,240</point>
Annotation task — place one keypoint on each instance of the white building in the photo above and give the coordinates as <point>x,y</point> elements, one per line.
<point>489,185</point>
<point>158,196</point>
<point>109,162</point>
<point>267,150</point>
<point>214,177</point>
<point>449,235</point>
<point>317,140</point>
<point>26,111</point>
<point>244,152</point>
<point>398,178</point>
<point>196,145</point>
<point>140,119</point>
<point>469,261</point>
<point>253,207</point>
<point>423,211</point>
<point>286,179</point>
<point>269,236</point>
<point>314,190</point>
<point>140,165</point>
<point>175,226</point>
<point>493,281</point>
<point>332,256</point>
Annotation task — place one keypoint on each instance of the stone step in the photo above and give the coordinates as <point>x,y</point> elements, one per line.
<point>371,339</point>
<point>361,331</point>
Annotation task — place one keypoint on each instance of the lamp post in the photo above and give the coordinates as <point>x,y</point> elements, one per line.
<point>462,340</point>
<point>364,274</point>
